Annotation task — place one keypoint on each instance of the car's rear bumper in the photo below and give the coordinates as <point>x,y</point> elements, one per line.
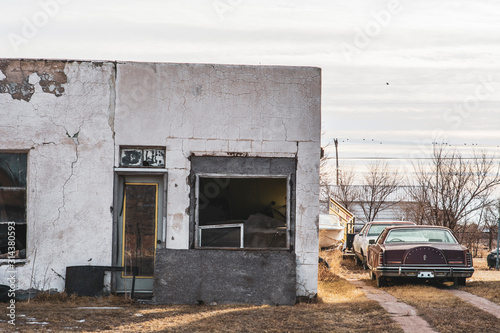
<point>438,272</point>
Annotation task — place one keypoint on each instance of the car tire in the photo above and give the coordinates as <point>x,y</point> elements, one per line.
<point>357,262</point>
<point>381,281</point>
<point>363,263</point>
<point>460,281</point>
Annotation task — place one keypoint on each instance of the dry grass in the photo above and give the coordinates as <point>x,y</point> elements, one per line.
<point>331,287</point>
<point>340,308</point>
<point>485,282</point>
<point>443,311</point>
<point>325,316</point>
<point>446,312</point>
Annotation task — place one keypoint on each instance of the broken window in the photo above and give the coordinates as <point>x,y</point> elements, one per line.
<point>242,212</point>
<point>13,168</point>
<point>142,157</point>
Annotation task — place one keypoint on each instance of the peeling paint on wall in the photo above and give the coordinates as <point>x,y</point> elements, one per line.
<point>17,80</point>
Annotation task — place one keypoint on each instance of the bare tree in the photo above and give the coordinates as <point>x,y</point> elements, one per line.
<point>336,183</point>
<point>345,192</point>
<point>380,183</point>
<point>471,237</point>
<point>490,223</point>
<point>413,211</point>
<point>452,189</point>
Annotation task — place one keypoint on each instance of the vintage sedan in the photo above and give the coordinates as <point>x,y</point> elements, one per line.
<point>424,252</point>
<point>367,236</point>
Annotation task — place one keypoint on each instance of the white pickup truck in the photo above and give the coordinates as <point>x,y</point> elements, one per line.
<point>367,235</point>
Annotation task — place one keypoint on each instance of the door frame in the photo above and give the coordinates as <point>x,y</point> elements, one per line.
<point>119,174</point>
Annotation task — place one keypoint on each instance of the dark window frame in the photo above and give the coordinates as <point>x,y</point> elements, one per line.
<point>242,167</point>
<point>16,227</point>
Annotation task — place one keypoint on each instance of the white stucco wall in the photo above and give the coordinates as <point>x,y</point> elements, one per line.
<point>70,180</point>
<point>190,109</point>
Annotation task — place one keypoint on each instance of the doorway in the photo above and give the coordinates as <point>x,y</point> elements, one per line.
<point>140,230</point>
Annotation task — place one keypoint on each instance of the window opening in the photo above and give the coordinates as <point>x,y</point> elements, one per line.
<point>13,173</point>
<point>242,212</point>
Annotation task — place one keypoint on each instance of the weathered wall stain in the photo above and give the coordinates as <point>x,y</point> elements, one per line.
<point>16,77</point>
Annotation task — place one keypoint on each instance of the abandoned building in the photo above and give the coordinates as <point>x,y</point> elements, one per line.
<point>193,182</point>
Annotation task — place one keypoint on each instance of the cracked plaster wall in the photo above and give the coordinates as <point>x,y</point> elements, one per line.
<point>206,109</point>
<point>73,116</point>
<point>57,111</point>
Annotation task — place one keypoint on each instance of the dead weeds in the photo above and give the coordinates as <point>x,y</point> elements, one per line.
<point>444,311</point>
<point>323,316</point>
<point>341,307</point>
<point>485,282</point>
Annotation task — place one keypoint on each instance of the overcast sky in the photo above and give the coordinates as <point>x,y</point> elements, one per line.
<point>397,75</point>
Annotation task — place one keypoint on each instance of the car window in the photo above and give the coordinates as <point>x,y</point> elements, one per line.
<point>420,235</point>
<point>376,229</point>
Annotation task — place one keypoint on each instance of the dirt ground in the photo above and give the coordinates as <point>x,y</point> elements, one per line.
<point>341,307</point>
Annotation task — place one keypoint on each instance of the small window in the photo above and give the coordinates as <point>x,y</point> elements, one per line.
<point>13,173</point>
<point>242,212</point>
<point>142,157</point>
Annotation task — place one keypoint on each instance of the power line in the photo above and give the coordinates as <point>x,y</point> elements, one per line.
<point>407,103</point>
<point>409,158</point>
<point>371,141</point>
<point>405,83</point>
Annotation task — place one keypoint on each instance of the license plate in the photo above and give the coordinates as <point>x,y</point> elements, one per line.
<point>425,274</point>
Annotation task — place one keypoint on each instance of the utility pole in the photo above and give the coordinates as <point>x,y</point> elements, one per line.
<point>337,157</point>
<point>498,235</point>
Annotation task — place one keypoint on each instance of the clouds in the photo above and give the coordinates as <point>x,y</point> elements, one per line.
<point>433,54</point>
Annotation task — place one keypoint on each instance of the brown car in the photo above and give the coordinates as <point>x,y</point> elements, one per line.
<point>425,252</point>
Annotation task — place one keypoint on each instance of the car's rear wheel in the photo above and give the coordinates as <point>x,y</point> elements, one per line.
<point>363,263</point>
<point>460,281</point>
<point>381,281</point>
<point>357,261</point>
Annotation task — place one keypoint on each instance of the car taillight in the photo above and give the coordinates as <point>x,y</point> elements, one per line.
<point>381,258</point>
<point>394,262</point>
<point>468,257</point>
<point>455,261</point>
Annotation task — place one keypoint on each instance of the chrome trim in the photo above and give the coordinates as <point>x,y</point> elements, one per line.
<point>402,271</point>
